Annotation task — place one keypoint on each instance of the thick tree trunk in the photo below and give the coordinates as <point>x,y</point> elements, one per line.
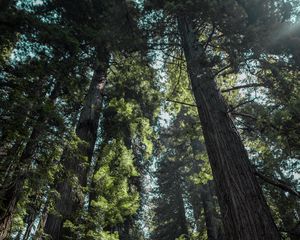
<point>86,130</point>
<point>245,213</point>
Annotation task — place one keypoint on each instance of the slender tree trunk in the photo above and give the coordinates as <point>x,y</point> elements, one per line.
<point>134,182</point>
<point>42,222</point>
<point>245,213</point>
<point>19,235</point>
<point>183,226</point>
<point>30,224</point>
<point>86,130</point>
<point>124,229</point>
<point>10,193</point>
<point>213,226</point>
<point>195,201</point>
<point>195,198</point>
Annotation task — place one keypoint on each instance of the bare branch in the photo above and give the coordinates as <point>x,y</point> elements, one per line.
<point>243,115</point>
<point>222,70</point>
<point>183,103</point>
<point>232,108</point>
<point>278,183</point>
<point>243,86</point>
<point>209,38</point>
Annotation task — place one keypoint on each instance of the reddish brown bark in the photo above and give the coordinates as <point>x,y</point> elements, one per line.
<point>245,213</point>
<point>86,130</point>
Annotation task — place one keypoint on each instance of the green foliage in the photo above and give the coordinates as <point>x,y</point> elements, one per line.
<point>205,174</point>
<point>115,200</point>
<point>48,51</point>
<point>103,235</point>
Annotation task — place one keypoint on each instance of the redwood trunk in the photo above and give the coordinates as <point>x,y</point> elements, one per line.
<point>245,213</point>
<point>86,130</point>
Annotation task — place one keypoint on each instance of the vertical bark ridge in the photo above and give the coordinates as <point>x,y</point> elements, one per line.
<point>86,129</point>
<point>245,213</point>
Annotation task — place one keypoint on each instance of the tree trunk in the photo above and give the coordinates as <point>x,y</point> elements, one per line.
<point>213,226</point>
<point>11,192</point>
<point>183,226</point>
<point>124,229</point>
<point>30,224</point>
<point>86,130</point>
<point>195,201</point>
<point>245,213</point>
<point>42,222</point>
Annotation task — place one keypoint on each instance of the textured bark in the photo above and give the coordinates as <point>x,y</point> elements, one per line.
<point>86,130</point>
<point>245,213</point>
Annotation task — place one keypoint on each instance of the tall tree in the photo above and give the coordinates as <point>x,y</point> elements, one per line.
<point>129,117</point>
<point>170,207</point>
<point>87,124</point>
<point>86,130</point>
<point>242,219</point>
<point>80,93</point>
<point>33,53</point>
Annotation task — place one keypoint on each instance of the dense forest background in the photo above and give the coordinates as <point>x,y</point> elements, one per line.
<point>154,119</point>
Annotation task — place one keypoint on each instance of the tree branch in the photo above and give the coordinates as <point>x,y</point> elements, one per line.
<point>243,86</point>
<point>183,103</point>
<point>221,70</point>
<point>209,38</point>
<point>232,108</point>
<point>277,183</point>
<point>243,115</point>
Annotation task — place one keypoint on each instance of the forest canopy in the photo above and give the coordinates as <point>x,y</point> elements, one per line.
<point>150,120</point>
